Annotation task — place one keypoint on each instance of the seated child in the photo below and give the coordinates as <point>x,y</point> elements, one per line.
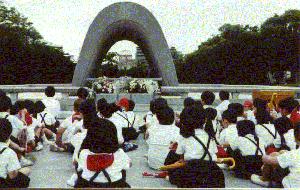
<point>207,99</point>
<point>46,124</point>
<point>82,93</point>
<point>283,167</point>
<point>247,150</point>
<point>11,174</point>
<point>224,97</point>
<point>199,153</point>
<point>284,139</point>
<point>52,105</point>
<point>160,138</point>
<point>68,128</point>
<point>229,131</point>
<point>248,111</point>
<point>102,162</point>
<point>130,132</point>
<point>211,125</point>
<point>31,123</point>
<point>100,104</point>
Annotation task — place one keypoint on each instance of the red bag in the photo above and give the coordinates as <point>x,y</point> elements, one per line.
<point>222,153</point>
<point>98,162</point>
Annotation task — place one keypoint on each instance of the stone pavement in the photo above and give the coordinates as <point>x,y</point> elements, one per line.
<point>52,170</point>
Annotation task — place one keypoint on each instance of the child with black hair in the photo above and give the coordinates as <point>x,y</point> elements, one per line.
<point>160,137</point>
<point>130,132</point>
<point>247,150</point>
<point>82,93</point>
<point>188,102</point>
<point>11,174</point>
<point>199,153</point>
<point>224,97</point>
<point>238,109</point>
<point>52,105</point>
<point>207,99</point>
<point>31,123</point>
<point>68,128</point>
<point>101,103</point>
<point>102,162</point>
<point>286,106</point>
<point>211,126</point>
<point>284,139</point>
<point>281,167</point>
<point>229,131</point>
<point>46,125</point>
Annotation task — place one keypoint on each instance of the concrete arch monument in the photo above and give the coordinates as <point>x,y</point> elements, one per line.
<point>125,21</point>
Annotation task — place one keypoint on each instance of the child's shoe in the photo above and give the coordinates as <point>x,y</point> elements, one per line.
<point>39,147</point>
<point>256,180</point>
<point>72,181</point>
<point>25,162</point>
<point>55,148</point>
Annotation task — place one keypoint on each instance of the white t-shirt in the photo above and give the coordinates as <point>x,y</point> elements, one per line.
<point>251,116</point>
<point>8,161</point>
<point>160,138</point>
<point>71,129</point>
<point>121,162</point>
<point>221,108</point>
<point>291,160</point>
<point>52,105</point>
<point>49,119</point>
<point>31,128</point>
<point>289,140</point>
<point>119,123</point>
<point>228,134</point>
<point>264,134</point>
<point>192,149</point>
<point>246,147</point>
<point>131,118</point>
<point>17,124</point>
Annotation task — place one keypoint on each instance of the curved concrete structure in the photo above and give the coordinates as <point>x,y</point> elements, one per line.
<point>125,21</point>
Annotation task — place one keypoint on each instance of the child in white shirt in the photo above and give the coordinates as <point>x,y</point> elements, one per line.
<point>229,131</point>
<point>160,138</point>
<point>11,174</point>
<point>224,97</point>
<point>101,146</point>
<point>52,105</point>
<point>199,153</point>
<point>249,112</point>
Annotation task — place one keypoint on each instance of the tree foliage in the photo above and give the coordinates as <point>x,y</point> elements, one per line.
<point>25,57</point>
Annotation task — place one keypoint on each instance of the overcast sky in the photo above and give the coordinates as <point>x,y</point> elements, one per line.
<point>185,23</point>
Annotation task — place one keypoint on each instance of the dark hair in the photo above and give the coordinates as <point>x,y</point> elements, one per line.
<point>82,93</point>
<point>198,104</point>
<point>246,127</point>
<point>237,108</point>
<point>76,104</point>
<point>5,130</point>
<point>208,97</point>
<point>224,95</point>
<point>260,103</point>
<point>5,103</point>
<point>210,115</point>
<point>50,91</point>
<point>287,104</point>
<point>230,116</point>
<point>100,103</point>
<point>191,118</point>
<point>88,110</point>
<point>166,116</point>
<point>107,110</point>
<point>262,116</point>
<point>29,105</point>
<point>13,110</point>
<point>152,104</point>
<point>2,93</point>
<point>114,108</point>
<point>19,105</point>
<point>131,105</point>
<point>283,125</point>
<point>39,106</point>
<point>188,102</point>
<point>102,137</point>
<point>159,104</point>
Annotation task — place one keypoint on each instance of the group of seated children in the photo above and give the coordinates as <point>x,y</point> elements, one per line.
<point>262,144</point>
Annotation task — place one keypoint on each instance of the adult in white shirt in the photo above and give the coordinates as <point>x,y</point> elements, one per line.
<point>198,150</point>
<point>52,104</point>
<point>224,97</point>
<point>102,142</point>
<point>161,136</point>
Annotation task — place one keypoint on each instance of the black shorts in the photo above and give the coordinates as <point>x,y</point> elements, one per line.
<point>83,183</point>
<point>21,181</point>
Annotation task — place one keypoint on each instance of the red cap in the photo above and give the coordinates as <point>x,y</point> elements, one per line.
<point>123,102</point>
<point>248,104</point>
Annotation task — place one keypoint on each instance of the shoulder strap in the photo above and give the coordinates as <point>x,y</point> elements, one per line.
<point>126,118</point>
<point>97,173</point>
<point>43,117</point>
<point>274,136</point>
<point>2,150</point>
<point>206,152</point>
<point>257,146</point>
<point>94,176</point>
<point>6,116</point>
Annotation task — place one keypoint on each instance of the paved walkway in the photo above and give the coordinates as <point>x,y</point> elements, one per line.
<point>52,170</point>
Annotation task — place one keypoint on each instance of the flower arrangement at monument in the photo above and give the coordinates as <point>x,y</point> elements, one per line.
<point>124,85</point>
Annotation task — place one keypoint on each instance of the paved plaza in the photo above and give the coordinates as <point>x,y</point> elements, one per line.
<point>52,170</point>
